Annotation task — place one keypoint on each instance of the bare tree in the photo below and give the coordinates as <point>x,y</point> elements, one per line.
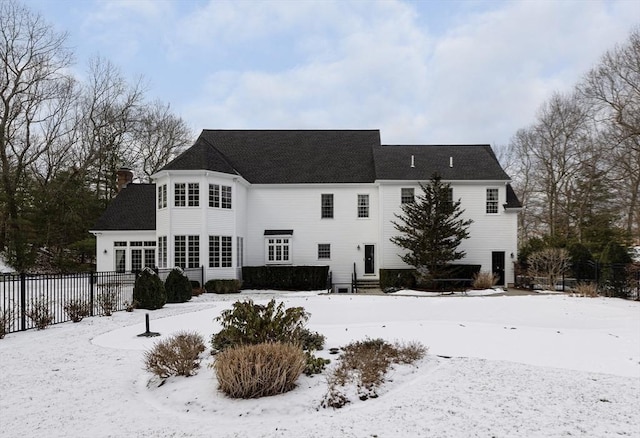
<point>550,264</point>
<point>33,82</point>
<point>158,137</point>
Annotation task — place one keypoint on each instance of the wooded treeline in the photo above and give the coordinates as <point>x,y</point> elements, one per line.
<point>62,138</point>
<point>576,168</point>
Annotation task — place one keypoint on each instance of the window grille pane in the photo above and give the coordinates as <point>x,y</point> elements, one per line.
<point>214,251</point>
<point>162,248</point>
<point>226,252</point>
<point>149,258</point>
<point>327,206</point>
<point>214,195</point>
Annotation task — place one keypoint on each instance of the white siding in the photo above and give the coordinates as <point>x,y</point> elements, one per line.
<point>297,208</point>
<point>488,232</point>
<point>105,251</point>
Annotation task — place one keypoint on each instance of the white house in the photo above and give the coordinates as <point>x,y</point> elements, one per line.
<point>300,197</point>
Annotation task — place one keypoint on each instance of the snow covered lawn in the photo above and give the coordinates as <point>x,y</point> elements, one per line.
<point>527,366</point>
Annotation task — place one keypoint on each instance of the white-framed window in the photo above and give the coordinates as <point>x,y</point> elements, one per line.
<point>220,251</point>
<point>180,251</point>
<point>278,249</point>
<point>407,195</point>
<point>136,259</point>
<point>220,196</point>
<point>326,206</point>
<point>225,201</point>
<point>193,193</point>
<point>324,251</point>
<point>363,206</point>
<point>179,195</point>
<point>239,252</point>
<point>492,201</point>
<point>162,251</point>
<point>149,257</point>
<point>121,260</point>
<point>162,196</point>
<point>193,256</point>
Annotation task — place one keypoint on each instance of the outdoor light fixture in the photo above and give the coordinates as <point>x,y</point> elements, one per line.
<point>358,247</point>
<point>511,255</point>
<point>105,251</point>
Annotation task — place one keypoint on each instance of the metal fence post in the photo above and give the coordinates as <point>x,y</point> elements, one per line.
<point>92,282</point>
<point>23,301</point>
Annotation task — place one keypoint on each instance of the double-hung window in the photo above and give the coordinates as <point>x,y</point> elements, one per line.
<point>407,195</point>
<point>180,195</point>
<point>194,251</point>
<point>492,201</point>
<point>363,206</point>
<point>162,251</point>
<point>219,196</point>
<point>326,206</point>
<point>193,194</point>
<point>220,251</point>
<point>162,196</point>
<point>324,251</point>
<point>186,251</point>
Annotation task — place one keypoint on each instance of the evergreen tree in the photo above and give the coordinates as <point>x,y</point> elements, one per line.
<point>431,229</point>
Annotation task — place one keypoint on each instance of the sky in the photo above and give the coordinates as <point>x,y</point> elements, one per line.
<point>423,72</point>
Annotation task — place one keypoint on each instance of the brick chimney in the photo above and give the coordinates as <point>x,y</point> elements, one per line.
<point>124,178</point>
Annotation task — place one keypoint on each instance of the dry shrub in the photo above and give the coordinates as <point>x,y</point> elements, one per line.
<point>6,320</point>
<point>484,280</point>
<point>108,299</point>
<point>178,355</point>
<point>77,309</point>
<point>365,364</point>
<point>586,289</point>
<point>40,313</point>
<point>261,370</point>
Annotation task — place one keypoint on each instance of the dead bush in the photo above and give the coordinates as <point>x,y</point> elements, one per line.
<point>40,313</point>
<point>365,364</point>
<point>586,290</point>
<point>108,299</point>
<point>77,309</point>
<point>178,355</point>
<point>484,280</point>
<point>261,370</point>
<point>6,320</point>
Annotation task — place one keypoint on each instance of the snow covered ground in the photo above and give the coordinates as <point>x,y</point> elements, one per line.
<point>525,366</point>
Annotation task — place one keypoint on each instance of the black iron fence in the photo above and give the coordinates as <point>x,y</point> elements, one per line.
<point>612,279</point>
<point>100,292</point>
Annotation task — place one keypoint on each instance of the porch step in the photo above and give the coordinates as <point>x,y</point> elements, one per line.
<point>364,285</point>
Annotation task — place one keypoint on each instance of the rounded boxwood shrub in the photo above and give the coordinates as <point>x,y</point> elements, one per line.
<point>149,290</point>
<point>178,286</point>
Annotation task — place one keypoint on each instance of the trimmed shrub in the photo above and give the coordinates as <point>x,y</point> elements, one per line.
<point>77,310</point>
<point>40,313</point>
<point>130,307</point>
<point>177,286</point>
<point>177,355</point>
<point>247,323</point>
<point>397,278</point>
<point>365,365</point>
<point>285,277</point>
<point>149,291</point>
<point>484,280</point>
<point>223,286</point>
<point>261,370</point>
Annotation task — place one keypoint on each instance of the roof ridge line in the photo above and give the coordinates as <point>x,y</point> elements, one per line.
<point>224,157</point>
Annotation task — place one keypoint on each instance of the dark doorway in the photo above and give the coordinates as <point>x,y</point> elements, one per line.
<point>497,266</point>
<point>369,259</point>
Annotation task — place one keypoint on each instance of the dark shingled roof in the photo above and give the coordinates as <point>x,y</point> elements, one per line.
<point>512,198</point>
<point>285,156</point>
<point>134,208</point>
<point>470,162</point>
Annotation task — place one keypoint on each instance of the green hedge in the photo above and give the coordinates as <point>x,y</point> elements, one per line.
<point>285,277</point>
<point>408,278</point>
<point>223,286</point>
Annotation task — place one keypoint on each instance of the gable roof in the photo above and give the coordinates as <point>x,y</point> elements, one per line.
<point>134,208</point>
<point>512,199</point>
<point>451,162</point>
<point>285,156</point>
